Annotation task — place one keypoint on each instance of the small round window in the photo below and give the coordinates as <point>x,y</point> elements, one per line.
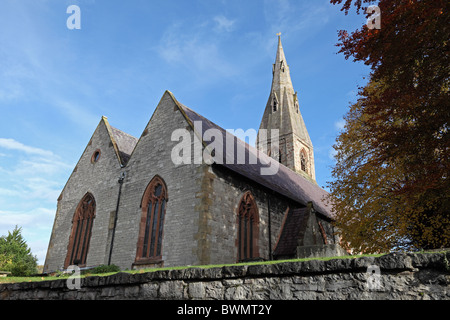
<point>95,156</point>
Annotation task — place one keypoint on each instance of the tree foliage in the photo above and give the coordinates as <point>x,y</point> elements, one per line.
<point>15,255</point>
<point>391,187</point>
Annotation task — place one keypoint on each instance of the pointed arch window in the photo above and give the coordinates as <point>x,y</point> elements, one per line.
<point>149,247</point>
<point>296,104</point>
<point>274,102</point>
<point>248,228</point>
<point>80,235</point>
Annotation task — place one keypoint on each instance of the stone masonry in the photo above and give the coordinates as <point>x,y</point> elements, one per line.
<point>397,276</point>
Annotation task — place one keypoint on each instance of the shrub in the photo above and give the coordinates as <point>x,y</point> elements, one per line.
<point>102,269</point>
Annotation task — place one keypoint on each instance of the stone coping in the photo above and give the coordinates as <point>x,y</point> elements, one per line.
<point>389,263</point>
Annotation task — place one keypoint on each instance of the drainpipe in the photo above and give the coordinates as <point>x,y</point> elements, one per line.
<point>121,178</point>
<point>270,227</point>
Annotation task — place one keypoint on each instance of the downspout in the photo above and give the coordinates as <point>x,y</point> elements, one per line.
<point>121,178</point>
<point>270,228</point>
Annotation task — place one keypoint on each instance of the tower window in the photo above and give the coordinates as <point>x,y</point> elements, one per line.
<point>303,161</point>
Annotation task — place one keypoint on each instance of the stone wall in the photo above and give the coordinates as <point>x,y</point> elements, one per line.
<point>392,276</point>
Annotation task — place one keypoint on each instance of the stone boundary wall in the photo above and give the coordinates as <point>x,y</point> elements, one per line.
<point>392,276</point>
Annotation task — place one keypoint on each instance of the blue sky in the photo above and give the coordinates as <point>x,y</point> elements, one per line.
<point>215,56</point>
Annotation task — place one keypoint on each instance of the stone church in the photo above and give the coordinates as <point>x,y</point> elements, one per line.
<point>128,203</point>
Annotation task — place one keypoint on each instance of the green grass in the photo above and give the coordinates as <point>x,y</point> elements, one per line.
<point>253,263</point>
<point>65,276</point>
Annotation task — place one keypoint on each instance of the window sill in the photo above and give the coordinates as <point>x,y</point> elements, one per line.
<point>142,263</point>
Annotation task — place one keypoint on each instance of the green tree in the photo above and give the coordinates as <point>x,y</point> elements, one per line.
<point>15,255</point>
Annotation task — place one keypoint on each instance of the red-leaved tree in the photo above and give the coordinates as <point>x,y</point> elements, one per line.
<point>391,187</point>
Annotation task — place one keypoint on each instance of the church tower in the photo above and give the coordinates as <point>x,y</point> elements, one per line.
<point>282,113</point>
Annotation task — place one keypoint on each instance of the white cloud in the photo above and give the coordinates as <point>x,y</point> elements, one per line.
<point>4,192</point>
<point>223,24</point>
<point>34,180</point>
<point>340,124</point>
<point>74,111</point>
<point>12,144</point>
<point>28,193</point>
<point>305,18</point>
<point>195,50</point>
<point>332,153</point>
<point>36,227</point>
<point>40,166</point>
<point>32,218</point>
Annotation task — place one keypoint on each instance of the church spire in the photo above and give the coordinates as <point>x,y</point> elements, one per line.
<point>282,113</point>
<point>281,75</point>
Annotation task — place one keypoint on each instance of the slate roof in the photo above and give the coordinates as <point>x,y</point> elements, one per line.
<point>125,143</point>
<point>293,229</point>
<point>285,182</point>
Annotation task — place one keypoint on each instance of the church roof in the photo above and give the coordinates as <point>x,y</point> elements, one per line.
<point>122,142</point>
<point>285,181</point>
<point>293,230</point>
<point>125,144</point>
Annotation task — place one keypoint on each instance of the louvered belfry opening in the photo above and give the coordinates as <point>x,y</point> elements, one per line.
<point>80,236</point>
<point>248,228</point>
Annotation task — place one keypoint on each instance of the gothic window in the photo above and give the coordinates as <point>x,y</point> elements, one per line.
<point>248,228</point>
<point>303,160</point>
<point>296,105</point>
<point>274,102</point>
<point>153,205</point>
<point>80,235</point>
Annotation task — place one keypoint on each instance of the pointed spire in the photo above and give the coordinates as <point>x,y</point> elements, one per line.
<point>281,75</point>
<point>282,113</point>
<point>280,51</point>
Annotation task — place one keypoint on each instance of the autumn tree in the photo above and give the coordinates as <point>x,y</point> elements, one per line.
<point>391,183</point>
